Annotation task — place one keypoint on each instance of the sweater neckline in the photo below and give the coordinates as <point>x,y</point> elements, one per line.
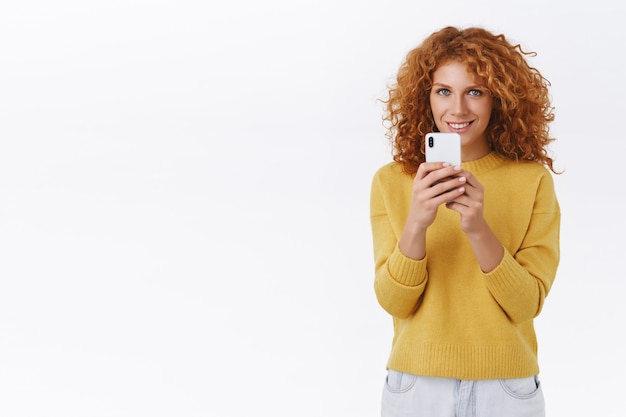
<point>486,163</point>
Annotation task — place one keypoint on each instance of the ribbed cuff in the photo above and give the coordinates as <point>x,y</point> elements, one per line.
<point>504,279</point>
<point>406,271</point>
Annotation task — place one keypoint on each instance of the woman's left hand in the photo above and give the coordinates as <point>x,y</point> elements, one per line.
<point>470,204</point>
<point>486,246</point>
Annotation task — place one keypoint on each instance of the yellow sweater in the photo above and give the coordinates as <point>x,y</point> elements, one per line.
<point>451,319</point>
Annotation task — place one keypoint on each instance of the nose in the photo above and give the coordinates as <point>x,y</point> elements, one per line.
<point>459,106</point>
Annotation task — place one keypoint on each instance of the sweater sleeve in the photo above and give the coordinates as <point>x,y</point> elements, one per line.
<point>523,279</point>
<point>399,281</point>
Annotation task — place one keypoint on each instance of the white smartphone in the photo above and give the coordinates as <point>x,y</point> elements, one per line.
<point>443,147</point>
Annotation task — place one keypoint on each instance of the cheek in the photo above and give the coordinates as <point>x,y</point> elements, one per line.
<point>485,110</point>
<point>435,109</point>
<point>438,114</point>
<point>486,116</point>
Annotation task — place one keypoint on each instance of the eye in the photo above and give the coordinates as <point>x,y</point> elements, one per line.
<point>475,92</point>
<point>443,92</point>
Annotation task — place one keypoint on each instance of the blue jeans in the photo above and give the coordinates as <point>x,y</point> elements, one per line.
<point>407,395</point>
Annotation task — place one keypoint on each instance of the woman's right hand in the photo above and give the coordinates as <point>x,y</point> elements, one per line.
<point>435,183</point>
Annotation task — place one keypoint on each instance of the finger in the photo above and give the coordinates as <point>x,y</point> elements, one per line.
<point>442,175</point>
<point>471,179</point>
<point>448,197</point>
<point>425,168</point>
<point>472,199</point>
<point>443,193</point>
<point>459,203</point>
<point>448,183</point>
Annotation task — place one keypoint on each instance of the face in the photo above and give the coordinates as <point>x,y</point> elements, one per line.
<point>461,103</point>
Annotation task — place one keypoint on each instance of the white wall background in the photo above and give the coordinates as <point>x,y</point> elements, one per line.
<point>184,198</point>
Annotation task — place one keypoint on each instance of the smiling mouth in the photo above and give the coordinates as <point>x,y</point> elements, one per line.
<point>459,125</point>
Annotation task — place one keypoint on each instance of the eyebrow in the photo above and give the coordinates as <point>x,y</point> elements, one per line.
<point>471,87</point>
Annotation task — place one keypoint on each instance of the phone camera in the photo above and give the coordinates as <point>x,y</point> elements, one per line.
<point>431,142</point>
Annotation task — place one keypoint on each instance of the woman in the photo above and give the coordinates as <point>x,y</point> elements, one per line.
<point>466,255</point>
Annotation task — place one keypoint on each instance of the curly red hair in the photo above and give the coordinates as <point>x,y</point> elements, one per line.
<point>519,124</point>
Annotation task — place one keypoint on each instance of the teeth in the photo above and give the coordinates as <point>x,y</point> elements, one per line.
<point>459,125</point>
